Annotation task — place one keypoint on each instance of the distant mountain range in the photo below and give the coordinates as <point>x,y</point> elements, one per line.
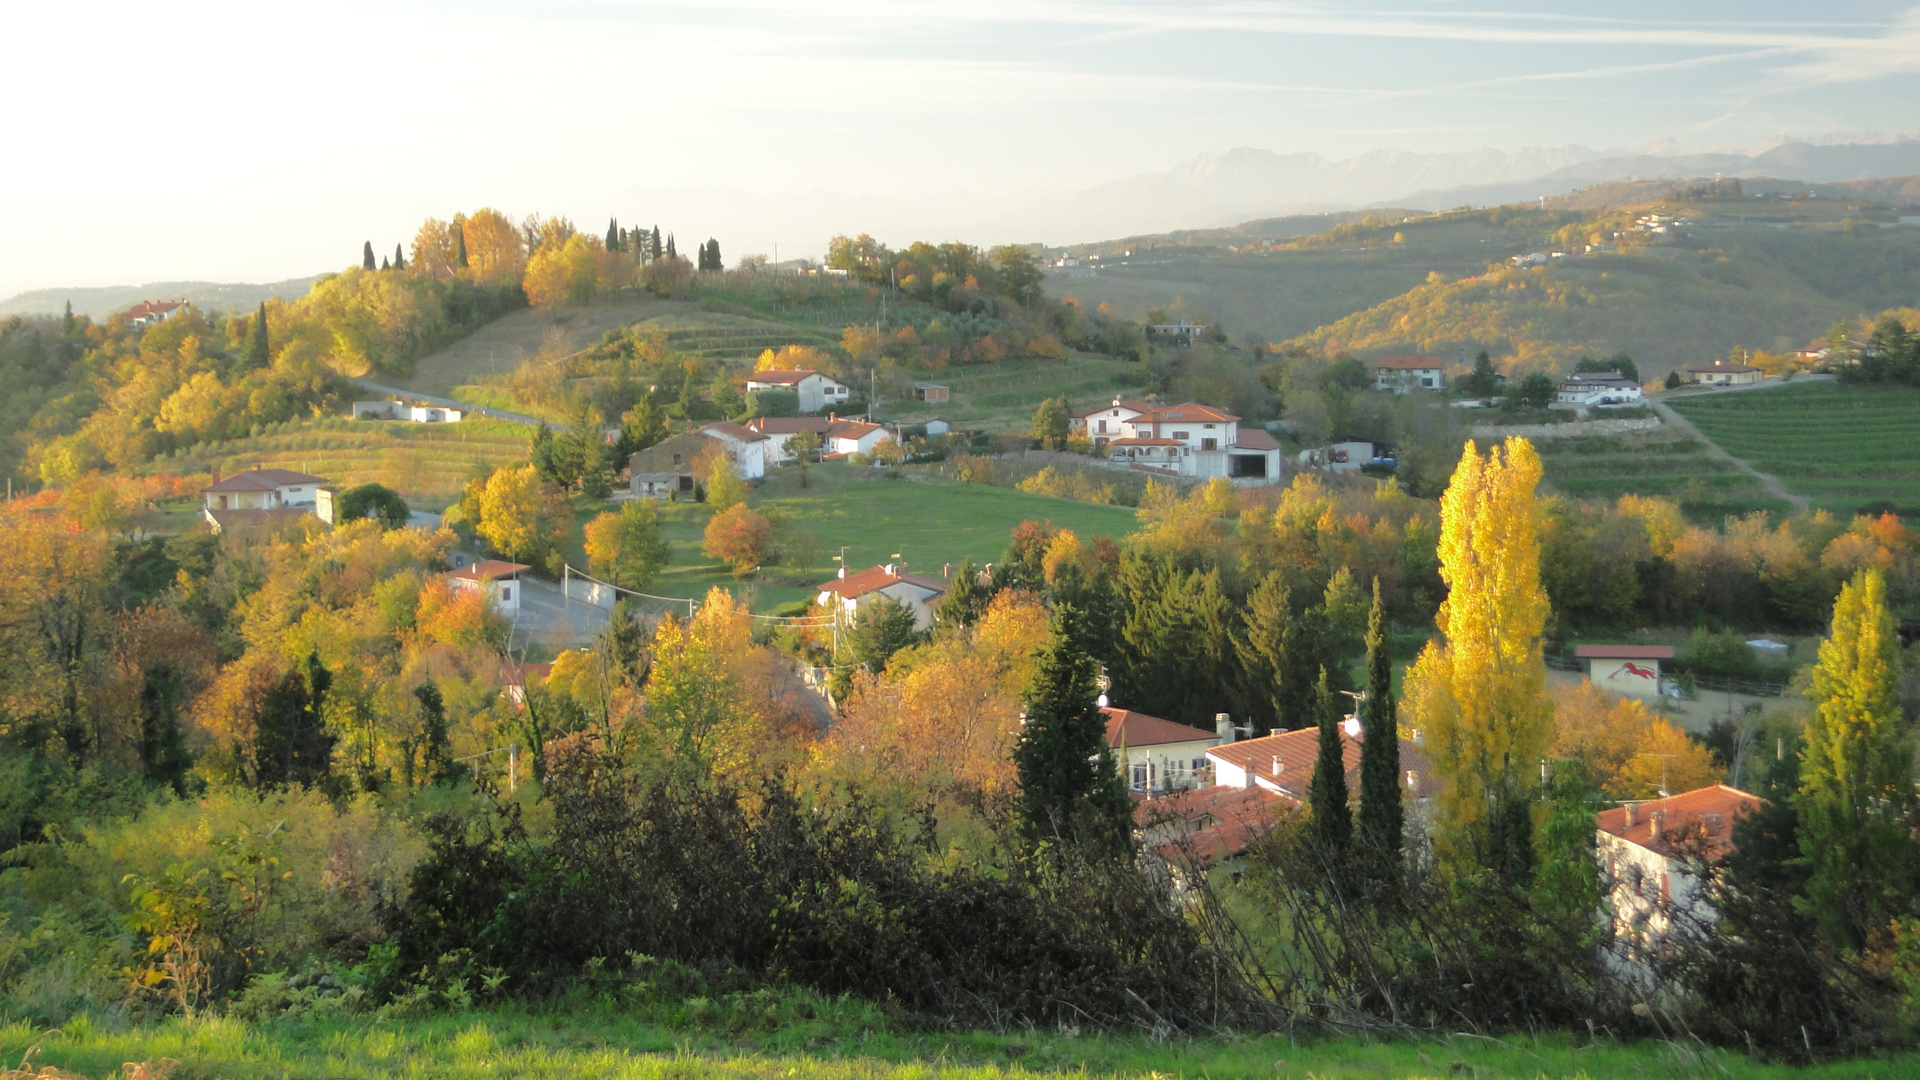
<point>1219,190</point>
<point>104,301</point>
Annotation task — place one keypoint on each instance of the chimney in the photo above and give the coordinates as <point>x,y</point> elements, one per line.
<point>1659,822</point>
<point>216,476</point>
<point>1246,776</point>
<point>946,572</point>
<point>1223,726</point>
<point>1631,815</point>
<point>1276,765</point>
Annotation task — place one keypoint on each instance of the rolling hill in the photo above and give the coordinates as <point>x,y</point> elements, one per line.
<point>104,301</point>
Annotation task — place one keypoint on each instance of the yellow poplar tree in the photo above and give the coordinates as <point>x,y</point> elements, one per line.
<point>510,511</point>
<point>1481,694</point>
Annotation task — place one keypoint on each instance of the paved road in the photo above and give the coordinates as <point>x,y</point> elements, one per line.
<point>1768,482</point>
<point>546,616</point>
<point>415,395</point>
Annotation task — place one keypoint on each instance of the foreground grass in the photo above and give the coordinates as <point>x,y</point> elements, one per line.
<point>842,1040</point>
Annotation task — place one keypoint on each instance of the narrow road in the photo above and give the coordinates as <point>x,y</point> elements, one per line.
<point>415,395</point>
<point>1768,482</point>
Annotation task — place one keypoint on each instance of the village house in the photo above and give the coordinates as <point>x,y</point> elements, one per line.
<point>1204,827</point>
<point>1180,333</point>
<point>498,581</point>
<point>149,312</point>
<point>1401,374</point>
<point>1645,848</point>
<point>666,467</point>
<point>853,437</point>
<point>1284,763</point>
<point>1181,440</point>
<point>748,449</point>
<point>1722,373</point>
<point>1158,756</point>
<point>1625,669</point>
<point>848,593</point>
<point>780,430</point>
<point>258,496</point>
<point>816,391</point>
<point>1598,388</point>
<point>401,410</point>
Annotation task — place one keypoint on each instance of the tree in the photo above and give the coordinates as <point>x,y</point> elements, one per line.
<point>613,234</point>
<point>1382,813</point>
<point>740,538</point>
<point>163,746</point>
<point>1070,784</point>
<point>1536,391</point>
<point>641,427</point>
<point>436,756</point>
<point>1050,424</point>
<point>883,626</point>
<point>671,252</point>
<point>773,403</point>
<point>366,257</point>
<point>1327,792</point>
<point>510,512</point>
<point>655,250</point>
<point>966,598</point>
<point>805,446</point>
<point>1020,274</point>
<point>1481,693</point>
<point>258,354</point>
<point>460,241</point>
<point>399,260</point>
<point>1484,381</point>
<point>1673,380</point>
<point>726,488</point>
<point>546,457</point>
<point>372,501</point>
<point>1619,362</point>
<point>1856,774</point>
<point>625,546</point>
<point>291,742</point>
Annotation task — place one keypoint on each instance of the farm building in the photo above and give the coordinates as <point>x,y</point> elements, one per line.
<point>816,391</point>
<point>1721,373</point>
<point>498,581</point>
<point>932,393</point>
<point>666,467</point>
<point>1598,388</point>
<point>1625,669</point>
<point>1190,439</point>
<point>748,449</point>
<point>401,410</point>
<point>258,496</point>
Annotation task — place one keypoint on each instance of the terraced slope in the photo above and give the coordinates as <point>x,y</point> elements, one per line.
<point>1844,447</point>
<point>1603,468</point>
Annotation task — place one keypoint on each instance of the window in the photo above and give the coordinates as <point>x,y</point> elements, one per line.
<point>506,594</point>
<point>1182,435</point>
<point>1209,444</point>
<point>1103,427</point>
<point>676,459</point>
<point>1137,776</point>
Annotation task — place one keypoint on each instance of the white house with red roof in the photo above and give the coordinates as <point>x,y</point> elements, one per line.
<point>148,312</point>
<point>258,496</point>
<point>853,437</point>
<point>1285,763</point>
<point>747,448</point>
<point>1189,439</point>
<point>780,430</point>
<point>1158,756</point>
<point>816,391</point>
<point>1400,374</point>
<point>494,579</point>
<point>848,593</point>
<point>1649,852</point>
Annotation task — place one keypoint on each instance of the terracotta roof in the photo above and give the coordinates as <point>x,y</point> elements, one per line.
<point>1407,363</point>
<point>852,429</point>
<point>153,307</point>
<point>782,378</point>
<point>1217,822</point>
<point>261,480</point>
<point>1623,652</point>
<point>1130,406</point>
<point>487,570</point>
<point>875,578</point>
<point>1191,410</point>
<point>1722,368</point>
<point>733,431</point>
<point>1296,753</point>
<point>254,518</point>
<point>1701,820</point>
<point>1139,729</point>
<point>789,425</point>
<point>1254,439</point>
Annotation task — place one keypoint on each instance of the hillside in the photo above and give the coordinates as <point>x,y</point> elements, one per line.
<point>104,301</point>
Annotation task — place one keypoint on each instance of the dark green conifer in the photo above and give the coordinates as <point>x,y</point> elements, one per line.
<point>654,251</point>
<point>399,258</point>
<point>1382,812</point>
<point>436,756</point>
<point>671,253</point>
<point>613,234</point>
<point>366,256</point>
<point>1327,792</point>
<point>1070,785</point>
<point>966,598</point>
<point>460,240</point>
<point>258,352</point>
<point>292,744</point>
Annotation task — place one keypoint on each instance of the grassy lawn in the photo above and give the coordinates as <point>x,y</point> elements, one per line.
<point>1003,396</point>
<point>1602,468</point>
<point>1841,446</point>
<point>426,463</point>
<point>839,1039</point>
<point>927,521</point>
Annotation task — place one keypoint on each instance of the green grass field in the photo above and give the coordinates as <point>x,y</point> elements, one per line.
<point>926,520</point>
<point>1605,467</point>
<point>1841,446</point>
<point>836,1039</point>
<point>426,463</point>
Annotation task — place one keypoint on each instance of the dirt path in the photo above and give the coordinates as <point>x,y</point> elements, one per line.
<point>1768,482</point>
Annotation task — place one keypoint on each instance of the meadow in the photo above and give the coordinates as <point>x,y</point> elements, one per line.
<point>925,520</point>
<point>765,1034</point>
<point>1844,447</point>
<point>1601,468</point>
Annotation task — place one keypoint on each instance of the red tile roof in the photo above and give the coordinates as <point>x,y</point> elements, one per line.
<point>852,429</point>
<point>1186,412</point>
<point>1297,752</point>
<point>1623,652</point>
<point>782,378</point>
<point>1130,406</point>
<point>1700,820</point>
<point>487,570</point>
<point>789,425</point>
<point>1217,822</point>
<point>875,578</point>
<point>1254,439</point>
<point>1139,729</point>
<point>733,431</point>
<point>1407,363</point>
<point>261,480</point>
<point>146,308</point>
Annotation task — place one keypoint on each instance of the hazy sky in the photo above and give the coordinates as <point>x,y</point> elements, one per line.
<point>262,141</point>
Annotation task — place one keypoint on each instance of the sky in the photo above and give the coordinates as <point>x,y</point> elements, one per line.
<point>258,142</point>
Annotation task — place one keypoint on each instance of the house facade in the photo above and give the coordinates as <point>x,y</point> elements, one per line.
<point>816,391</point>
<point>498,581</point>
<point>258,496</point>
<point>748,449</point>
<point>1598,388</point>
<point>1189,439</point>
<point>1402,374</point>
<point>853,437</point>
<point>401,410</point>
<point>1721,373</point>
<point>1158,756</point>
<point>780,430</point>
<point>848,593</point>
<point>1648,851</point>
<point>148,312</point>
<point>666,467</point>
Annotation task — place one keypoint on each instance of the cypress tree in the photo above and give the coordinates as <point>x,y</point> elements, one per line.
<point>1382,814</point>
<point>460,240</point>
<point>1070,785</point>
<point>436,762</point>
<point>67,322</point>
<point>1327,792</point>
<point>258,352</point>
<point>613,234</point>
<point>163,749</point>
<point>399,259</point>
<point>383,263</point>
<point>292,744</point>
<point>671,253</point>
<point>366,256</point>
<point>714,258</point>
<point>653,251</point>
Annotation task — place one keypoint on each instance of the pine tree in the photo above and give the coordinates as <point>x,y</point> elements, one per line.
<point>613,234</point>
<point>399,259</point>
<point>292,744</point>
<point>1070,785</point>
<point>966,598</point>
<point>1327,792</point>
<point>1481,694</point>
<point>1856,773</point>
<point>259,355</point>
<point>366,256</point>
<point>1264,653</point>
<point>654,251</point>
<point>436,754</point>
<point>1382,812</point>
<point>545,456</point>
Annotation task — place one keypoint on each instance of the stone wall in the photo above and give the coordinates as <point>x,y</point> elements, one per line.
<point>1565,431</point>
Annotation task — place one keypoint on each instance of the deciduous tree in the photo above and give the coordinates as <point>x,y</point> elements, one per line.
<point>739,537</point>
<point>510,512</point>
<point>625,546</point>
